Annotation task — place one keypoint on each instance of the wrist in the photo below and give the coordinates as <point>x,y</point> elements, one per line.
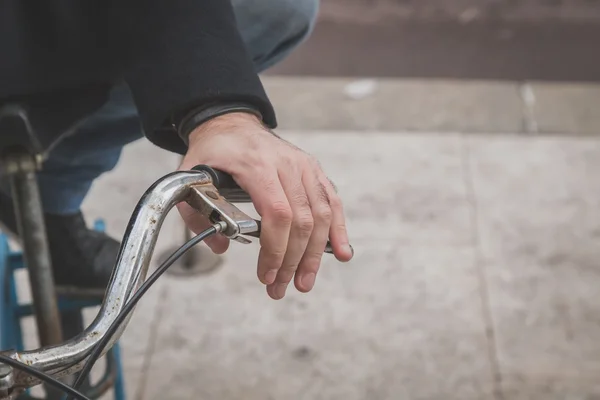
<point>225,123</point>
<point>202,119</point>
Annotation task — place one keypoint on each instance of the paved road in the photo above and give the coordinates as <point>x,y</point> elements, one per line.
<point>570,11</point>
<point>368,40</point>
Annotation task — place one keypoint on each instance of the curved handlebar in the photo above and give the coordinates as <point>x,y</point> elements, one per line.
<point>128,275</point>
<point>204,188</point>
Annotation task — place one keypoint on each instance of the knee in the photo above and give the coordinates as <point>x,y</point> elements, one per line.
<point>272,29</point>
<point>286,19</point>
<point>302,14</point>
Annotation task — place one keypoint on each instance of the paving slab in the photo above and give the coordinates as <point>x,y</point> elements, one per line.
<point>376,328</point>
<point>409,188</point>
<point>538,207</point>
<point>406,319</point>
<point>403,320</point>
<point>566,108</point>
<point>395,104</point>
<point>443,105</point>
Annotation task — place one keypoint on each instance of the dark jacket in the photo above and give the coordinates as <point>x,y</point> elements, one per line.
<point>175,55</point>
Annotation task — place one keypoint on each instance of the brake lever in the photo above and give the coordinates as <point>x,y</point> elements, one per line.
<point>207,200</point>
<point>212,201</point>
<point>328,247</point>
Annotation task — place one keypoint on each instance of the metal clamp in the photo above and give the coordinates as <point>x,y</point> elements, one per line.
<point>207,200</point>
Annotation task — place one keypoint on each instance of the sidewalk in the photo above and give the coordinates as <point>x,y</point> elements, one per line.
<point>435,105</point>
<point>475,277</point>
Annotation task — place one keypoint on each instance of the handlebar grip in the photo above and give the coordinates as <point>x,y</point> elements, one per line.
<point>225,184</point>
<point>232,192</point>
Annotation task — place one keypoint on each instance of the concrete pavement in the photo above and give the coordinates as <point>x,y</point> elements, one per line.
<point>435,105</point>
<point>476,277</point>
<point>474,210</point>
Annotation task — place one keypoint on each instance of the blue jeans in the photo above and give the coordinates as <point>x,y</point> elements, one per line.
<point>271,30</point>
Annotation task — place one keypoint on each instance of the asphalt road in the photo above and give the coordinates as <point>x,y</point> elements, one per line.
<point>500,50</point>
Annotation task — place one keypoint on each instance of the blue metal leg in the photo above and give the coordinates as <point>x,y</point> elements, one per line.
<point>17,337</point>
<point>10,332</point>
<point>11,312</point>
<point>5,320</point>
<point>119,388</point>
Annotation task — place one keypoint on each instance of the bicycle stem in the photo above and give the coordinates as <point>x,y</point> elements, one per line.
<point>128,275</point>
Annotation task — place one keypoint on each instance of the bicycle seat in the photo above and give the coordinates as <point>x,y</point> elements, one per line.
<point>37,123</point>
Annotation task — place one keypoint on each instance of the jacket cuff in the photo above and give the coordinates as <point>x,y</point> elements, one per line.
<point>198,116</point>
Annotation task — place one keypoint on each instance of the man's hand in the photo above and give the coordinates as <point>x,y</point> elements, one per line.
<point>298,205</point>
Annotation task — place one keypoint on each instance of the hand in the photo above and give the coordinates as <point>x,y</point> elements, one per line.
<point>299,207</point>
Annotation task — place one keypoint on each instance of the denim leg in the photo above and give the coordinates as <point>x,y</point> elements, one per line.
<point>271,29</point>
<point>94,148</point>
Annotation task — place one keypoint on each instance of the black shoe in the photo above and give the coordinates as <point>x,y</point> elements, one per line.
<point>81,258</point>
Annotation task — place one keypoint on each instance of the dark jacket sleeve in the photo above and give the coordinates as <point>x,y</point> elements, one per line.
<point>183,54</point>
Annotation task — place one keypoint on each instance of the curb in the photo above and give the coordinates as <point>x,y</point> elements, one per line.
<point>434,105</point>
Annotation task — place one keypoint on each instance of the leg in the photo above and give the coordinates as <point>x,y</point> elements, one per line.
<point>94,149</point>
<point>272,29</point>
<point>64,181</point>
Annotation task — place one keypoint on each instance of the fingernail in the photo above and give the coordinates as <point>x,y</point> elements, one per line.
<point>279,290</point>
<point>349,249</point>
<point>270,276</point>
<point>308,281</point>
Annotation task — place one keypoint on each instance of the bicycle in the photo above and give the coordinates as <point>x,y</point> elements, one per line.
<point>209,191</point>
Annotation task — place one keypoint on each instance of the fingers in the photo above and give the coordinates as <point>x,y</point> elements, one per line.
<point>276,214</point>
<point>338,233</point>
<point>300,230</point>
<point>322,214</point>
<point>300,211</point>
<point>299,207</point>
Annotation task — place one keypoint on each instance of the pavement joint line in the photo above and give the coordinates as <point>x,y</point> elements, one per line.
<point>486,309</point>
<point>417,132</point>
<point>529,101</point>
<point>140,393</point>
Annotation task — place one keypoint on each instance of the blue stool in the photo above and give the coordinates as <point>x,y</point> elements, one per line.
<point>11,313</point>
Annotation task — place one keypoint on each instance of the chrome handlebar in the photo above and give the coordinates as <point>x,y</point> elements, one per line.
<point>194,187</point>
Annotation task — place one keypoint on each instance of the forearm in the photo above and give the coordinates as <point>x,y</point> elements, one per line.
<point>185,58</point>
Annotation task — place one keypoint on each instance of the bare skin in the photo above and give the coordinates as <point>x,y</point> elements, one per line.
<point>299,207</point>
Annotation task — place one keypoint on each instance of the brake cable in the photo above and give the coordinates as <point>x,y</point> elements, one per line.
<point>130,305</point>
<point>43,376</point>
<point>72,392</point>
